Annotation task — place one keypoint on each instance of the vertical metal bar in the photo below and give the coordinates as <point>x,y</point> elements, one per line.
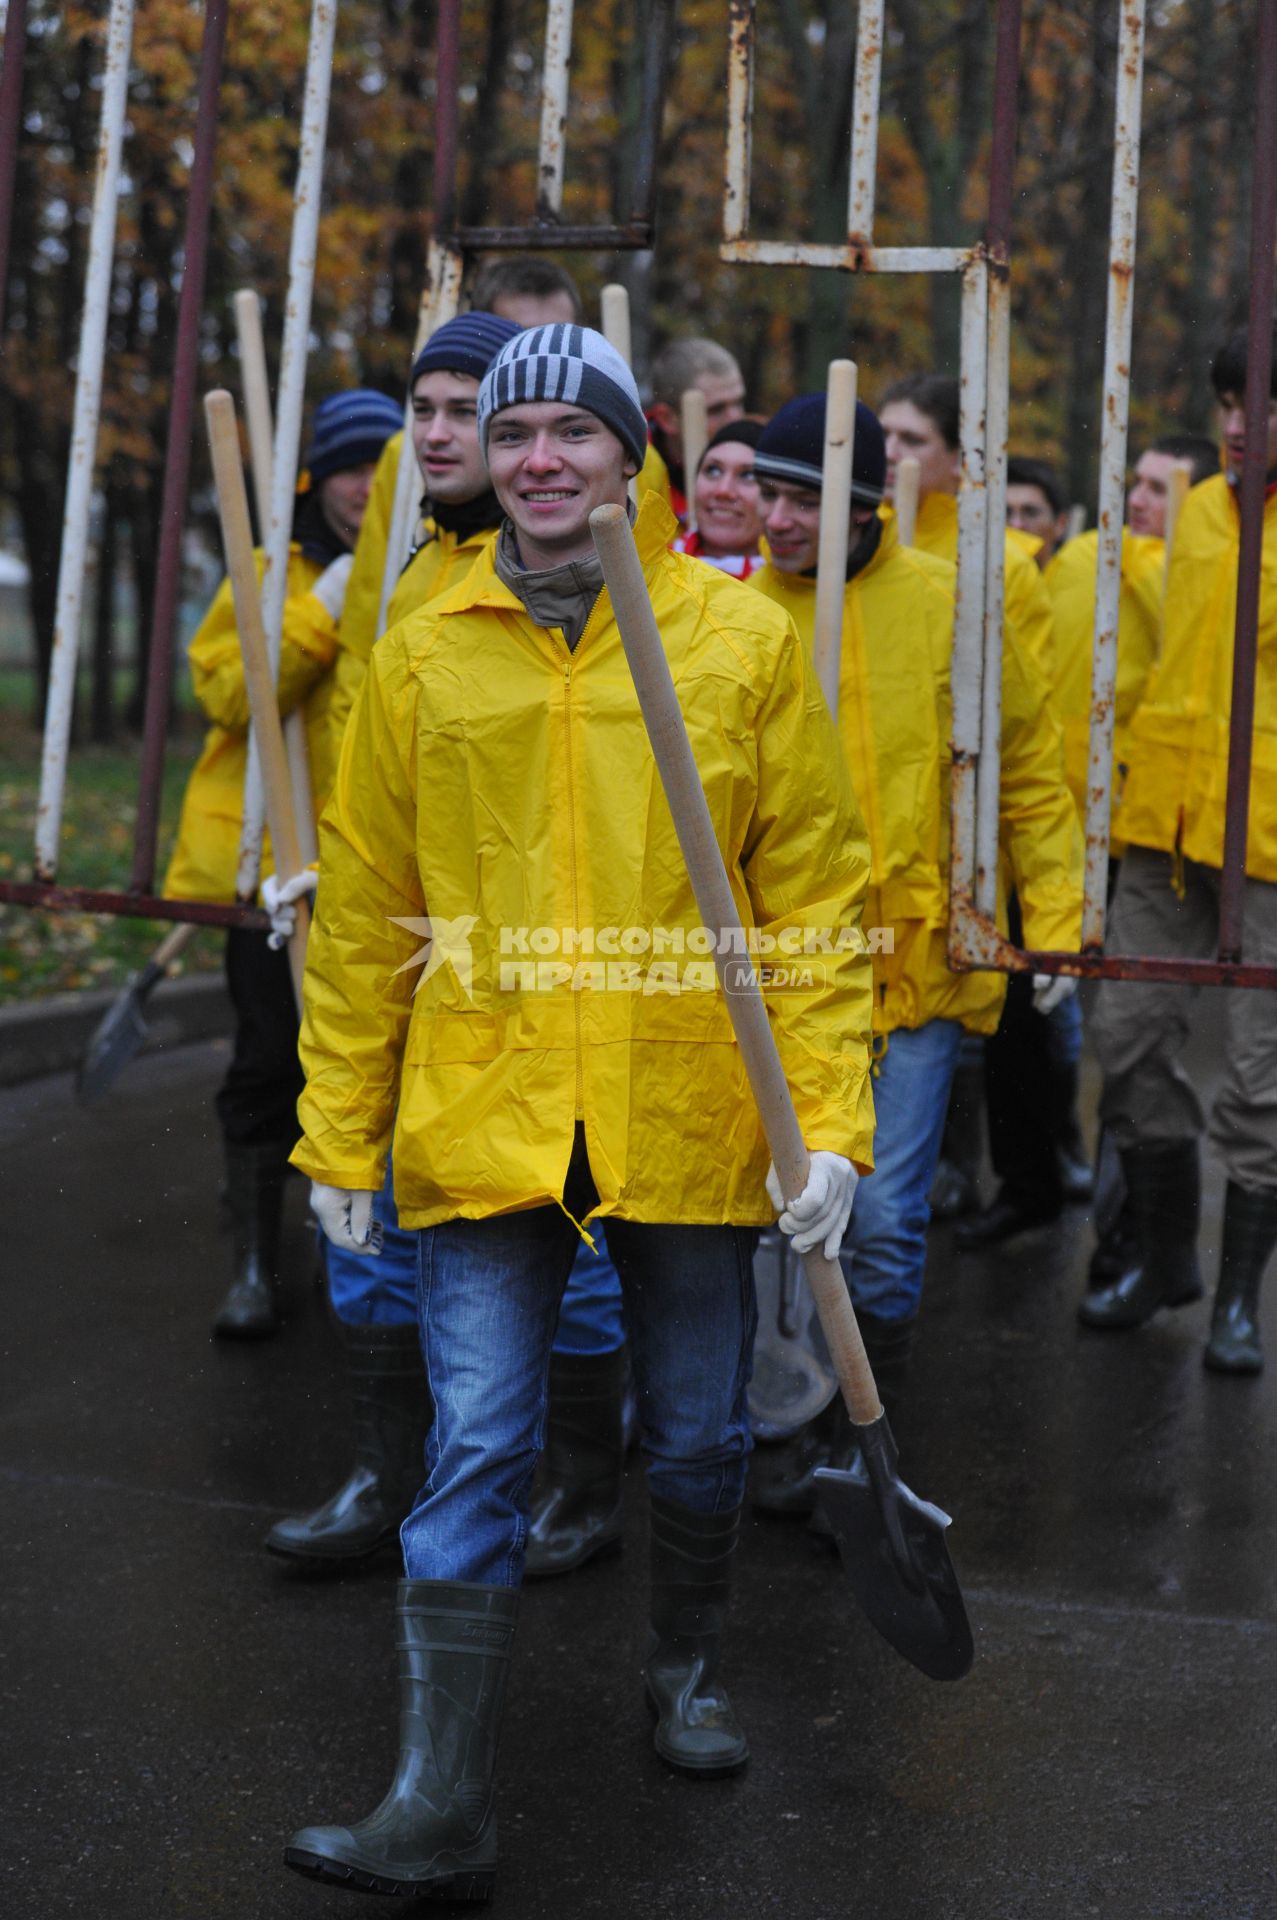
<point>740,119</point>
<point>651,109</point>
<point>1006,83</point>
<point>1117,395</point>
<point>554,109</point>
<point>1263,224</point>
<point>290,394</point>
<point>84,434</point>
<point>443,198</point>
<point>864,122</point>
<point>15,53</point>
<point>968,625</point>
<point>177,455</point>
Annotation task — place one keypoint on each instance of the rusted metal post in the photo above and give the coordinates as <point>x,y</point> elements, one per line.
<point>177,455</point>
<point>15,53</point>
<point>1117,396</point>
<point>864,122</point>
<point>647,143</point>
<point>1006,82</point>
<point>740,121</point>
<point>60,702</point>
<point>1263,224</point>
<point>554,109</point>
<point>967,671</point>
<point>443,197</point>
<point>290,396</point>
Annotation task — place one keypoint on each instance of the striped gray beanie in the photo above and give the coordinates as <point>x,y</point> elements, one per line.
<point>569,363</point>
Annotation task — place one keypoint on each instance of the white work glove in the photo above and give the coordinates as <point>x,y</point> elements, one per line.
<point>346,1218</point>
<point>330,588</point>
<point>278,897</point>
<point>1051,990</point>
<point>821,1211</point>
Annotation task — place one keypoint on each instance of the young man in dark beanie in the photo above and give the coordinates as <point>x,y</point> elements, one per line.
<point>497,780</point>
<point>895,723</point>
<point>1167,901</point>
<point>258,1098</point>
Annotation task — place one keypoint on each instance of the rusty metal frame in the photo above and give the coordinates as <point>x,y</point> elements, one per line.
<point>974,939</point>
<point>628,232</point>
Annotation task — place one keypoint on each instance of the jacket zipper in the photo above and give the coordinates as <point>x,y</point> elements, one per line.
<point>576,905</point>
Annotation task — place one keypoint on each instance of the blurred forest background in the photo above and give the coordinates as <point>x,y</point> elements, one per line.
<point>783,325</point>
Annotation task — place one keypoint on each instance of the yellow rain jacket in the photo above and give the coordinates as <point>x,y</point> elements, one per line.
<point>206,856</point>
<point>1026,603</point>
<point>1176,787</point>
<point>895,718</point>
<point>504,786</point>
<point>654,477</point>
<point>1070,581</point>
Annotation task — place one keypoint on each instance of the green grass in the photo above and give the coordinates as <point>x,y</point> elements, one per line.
<point>43,953</point>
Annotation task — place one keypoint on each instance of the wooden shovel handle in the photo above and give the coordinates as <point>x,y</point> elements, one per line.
<point>663,719</point>
<point>237,540</point>
<point>908,474</point>
<point>695,435</point>
<point>835,516</point>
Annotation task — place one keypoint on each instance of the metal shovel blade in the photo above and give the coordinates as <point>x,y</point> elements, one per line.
<point>118,1035</point>
<point>894,1553</point>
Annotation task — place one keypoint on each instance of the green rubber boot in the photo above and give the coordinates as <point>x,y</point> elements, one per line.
<point>697,1732</point>
<point>1164,1185</point>
<point>1250,1234</point>
<point>577,1510</point>
<point>435,1832</point>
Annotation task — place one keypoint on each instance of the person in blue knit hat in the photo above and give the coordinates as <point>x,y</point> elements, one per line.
<point>256,1104</point>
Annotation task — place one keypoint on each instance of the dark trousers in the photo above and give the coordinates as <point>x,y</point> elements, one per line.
<point>1017,1085</point>
<point>257,1101</point>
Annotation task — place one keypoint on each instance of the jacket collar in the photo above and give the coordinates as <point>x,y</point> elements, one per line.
<point>484,587</point>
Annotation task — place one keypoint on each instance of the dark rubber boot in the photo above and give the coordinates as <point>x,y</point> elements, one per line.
<point>1250,1234</point>
<point>889,1345</point>
<point>1164,1185</point>
<point>1077,1176</point>
<point>255,1196</point>
<point>392,1414</point>
<point>576,1503</point>
<point>955,1190</point>
<point>697,1732</point>
<point>436,1830</point>
<point>784,1478</point>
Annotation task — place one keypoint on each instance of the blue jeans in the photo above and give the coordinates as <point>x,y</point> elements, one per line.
<point>884,1248</point>
<point>380,1292</point>
<point>1064,1033</point>
<point>488,1301</point>
<point>591,1319</point>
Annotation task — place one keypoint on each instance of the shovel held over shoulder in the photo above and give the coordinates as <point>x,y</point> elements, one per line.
<point>892,1542</point>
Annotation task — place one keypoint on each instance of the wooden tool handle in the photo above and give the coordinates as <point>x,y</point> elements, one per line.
<point>615,314</point>
<point>835,516</point>
<point>174,945</point>
<point>695,434</point>
<point>908,473</point>
<point>257,415</point>
<point>237,540</point>
<point>663,719</point>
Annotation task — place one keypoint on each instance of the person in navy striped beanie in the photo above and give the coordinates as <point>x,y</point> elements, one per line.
<point>575,365</point>
<point>349,430</point>
<point>468,344</point>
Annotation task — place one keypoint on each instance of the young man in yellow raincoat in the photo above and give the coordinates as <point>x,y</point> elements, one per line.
<point>1167,902</point>
<point>556,1050</point>
<point>895,724</point>
<point>257,1101</point>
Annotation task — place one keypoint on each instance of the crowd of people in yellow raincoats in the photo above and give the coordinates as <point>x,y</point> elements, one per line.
<point>534,1155</point>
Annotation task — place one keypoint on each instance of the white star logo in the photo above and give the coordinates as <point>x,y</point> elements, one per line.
<point>447,944</point>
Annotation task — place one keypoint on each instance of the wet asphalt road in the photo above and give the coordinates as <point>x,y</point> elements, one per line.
<point>175,1701</point>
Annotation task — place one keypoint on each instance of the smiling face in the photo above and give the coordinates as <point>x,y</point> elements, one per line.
<point>728,516</point>
<point>551,465</point>
<point>791,521</point>
<point>343,498</point>
<point>912,434</point>
<point>445,437</point>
